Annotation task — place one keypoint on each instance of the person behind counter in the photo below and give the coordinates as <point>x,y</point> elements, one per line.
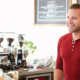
<point>68,57</point>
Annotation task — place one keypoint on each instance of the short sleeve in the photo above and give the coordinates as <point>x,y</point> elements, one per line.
<point>59,61</point>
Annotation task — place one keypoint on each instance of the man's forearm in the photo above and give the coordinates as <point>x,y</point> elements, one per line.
<point>58,74</point>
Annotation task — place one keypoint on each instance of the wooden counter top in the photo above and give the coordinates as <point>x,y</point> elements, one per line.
<point>35,71</point>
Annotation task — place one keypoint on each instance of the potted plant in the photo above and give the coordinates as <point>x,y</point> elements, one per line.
<point>30,46</point>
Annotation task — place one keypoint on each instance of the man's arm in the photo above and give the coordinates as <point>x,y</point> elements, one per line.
<point>58,74</point>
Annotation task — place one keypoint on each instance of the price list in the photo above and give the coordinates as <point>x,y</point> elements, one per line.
<point>51,11</point>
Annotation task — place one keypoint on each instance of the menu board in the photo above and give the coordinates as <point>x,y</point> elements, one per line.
<point>51,11</point>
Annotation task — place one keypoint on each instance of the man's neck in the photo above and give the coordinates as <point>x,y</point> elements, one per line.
<point>76,36</point>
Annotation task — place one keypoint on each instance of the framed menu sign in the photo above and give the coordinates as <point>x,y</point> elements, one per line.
<point>51,12</point>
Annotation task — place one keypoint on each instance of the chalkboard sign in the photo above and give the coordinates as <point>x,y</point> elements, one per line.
<point>51,12</point>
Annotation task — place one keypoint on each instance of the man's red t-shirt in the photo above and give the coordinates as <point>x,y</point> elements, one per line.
<point>68,57</point>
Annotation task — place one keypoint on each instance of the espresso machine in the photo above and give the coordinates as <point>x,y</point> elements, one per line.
<point>8,54</point>
<point>12,58</point>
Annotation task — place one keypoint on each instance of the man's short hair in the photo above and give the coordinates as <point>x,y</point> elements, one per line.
<point>75,6</point>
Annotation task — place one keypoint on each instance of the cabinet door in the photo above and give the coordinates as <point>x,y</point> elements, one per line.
<point>39,77</point>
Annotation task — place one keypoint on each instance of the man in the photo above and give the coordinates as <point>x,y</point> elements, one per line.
<point>68,58</point>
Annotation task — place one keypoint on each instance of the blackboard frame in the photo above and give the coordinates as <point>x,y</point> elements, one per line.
<point>35,24</point>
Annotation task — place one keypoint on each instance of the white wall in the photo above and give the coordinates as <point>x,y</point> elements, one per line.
<point>18,16</point>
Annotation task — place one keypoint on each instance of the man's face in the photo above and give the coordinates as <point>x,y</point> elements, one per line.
<point>73,20</point>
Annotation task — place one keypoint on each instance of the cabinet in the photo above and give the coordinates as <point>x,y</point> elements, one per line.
<point>37,74</point>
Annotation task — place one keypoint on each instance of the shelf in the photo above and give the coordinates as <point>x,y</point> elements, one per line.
<point>3,54</point>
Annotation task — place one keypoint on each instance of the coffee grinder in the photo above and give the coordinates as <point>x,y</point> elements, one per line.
<point>10,39</point>
<point>2,54</point>
<point>21,60</point>
<point>1,49</point>
<point>1,40</point>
